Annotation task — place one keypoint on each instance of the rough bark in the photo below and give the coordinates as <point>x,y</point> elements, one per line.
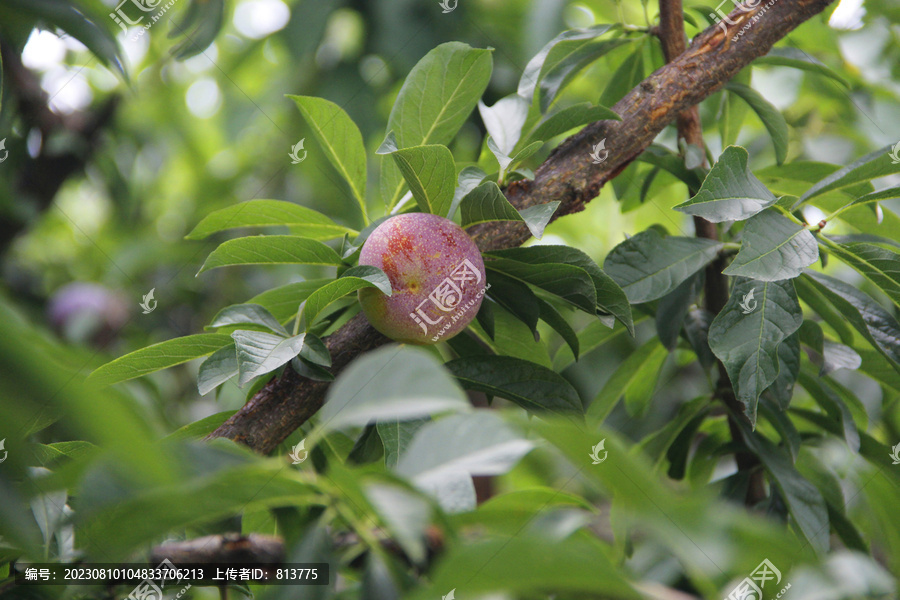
<point>568,175</point>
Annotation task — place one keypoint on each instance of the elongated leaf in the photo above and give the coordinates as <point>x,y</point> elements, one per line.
<point>570,118</point>
<point>770,116</point>
<point>516,297</point>
<point>270,250</point>
<point>624,376</point>
<point>566,59</point>
<point>504,121</point>
<point>263,213</point>
<point>610,297</point>
<point>242,314</point>
<point>445,450</point>
<point>879,265</point>
<point>662,157</point>
<point>340,139</point>
<point>531,386</point>
<point>542,62</point>
<point>568,282</point>
<point>487,203</point>
<point>730,191</point>
<point>217,369</point>
<point>434,102</point>
<point>431,175</point>
<point>259,353</point>
<point>673,308</point>
<point>353,279</point>
<point>871,166</point>
<point>831,402</point>
<point>158,356</point>
<point>628,74</point>
<point>391,383</point>
<point>805,503</point>
<point>648,266</point>
<point>284,300</point>
<point>782,389</point>
<point>554,319</point>
<point>798,59</point>
<point>886,194</point>
<point>748,343</point>
<point>396,436</point>
<point>773,247</point>
<point>868,317</point>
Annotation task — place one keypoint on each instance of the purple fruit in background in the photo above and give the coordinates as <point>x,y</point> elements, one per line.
<point>87,313</point>
<point>436,273</point>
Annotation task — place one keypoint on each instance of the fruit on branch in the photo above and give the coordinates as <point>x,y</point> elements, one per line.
<point>437,277</point>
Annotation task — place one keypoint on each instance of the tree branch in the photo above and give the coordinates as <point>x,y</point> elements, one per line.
<point>672,37</point>
<point>568,176</point>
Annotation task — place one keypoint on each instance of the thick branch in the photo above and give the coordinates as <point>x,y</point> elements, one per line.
<point>568,176</point>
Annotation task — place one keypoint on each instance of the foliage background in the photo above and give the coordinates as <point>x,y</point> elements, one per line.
<point>194,134</point>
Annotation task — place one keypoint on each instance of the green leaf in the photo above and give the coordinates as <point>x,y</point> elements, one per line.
<point>89,27</point>
<point>879,265</point>
<point>770,116</point>
<point>242,314</point>
<point>886,194</point>
<point>782,389</point>
<point>662,157</point>
<point>431,175</point>
<point>516,297</point>
<point>748,344</point>
<point>532,386</point>
<point>805,503</point>
<point>395,436</point>
<point>353,279</point>
<point>264,213</point>
<point>554,319</point>
<point>625,375</point>
<point>270,250</point>
<point>648,266</point>
<point>217,369</point>
<point>284,300</point>
<point>831,402</point>
<point>487,203</point>
<point>393,382</point>
<point>158,356</point>
<point>570,118</point>
<point>730,191</point>
<point>673,308</point>
<point>628,74</point>
<point>443,451</point>
<point>340,139</point>
<point>798,59</point>
<point>259,353</point>
<point>610,297</point>
<point>504,121</point>
<point>871,166</point>
<point>434,102</point>
<point>200,429</point>
<point>570,283</point>
<point>868,317</point>
<point>406,515</point>
<point>773,247</point>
